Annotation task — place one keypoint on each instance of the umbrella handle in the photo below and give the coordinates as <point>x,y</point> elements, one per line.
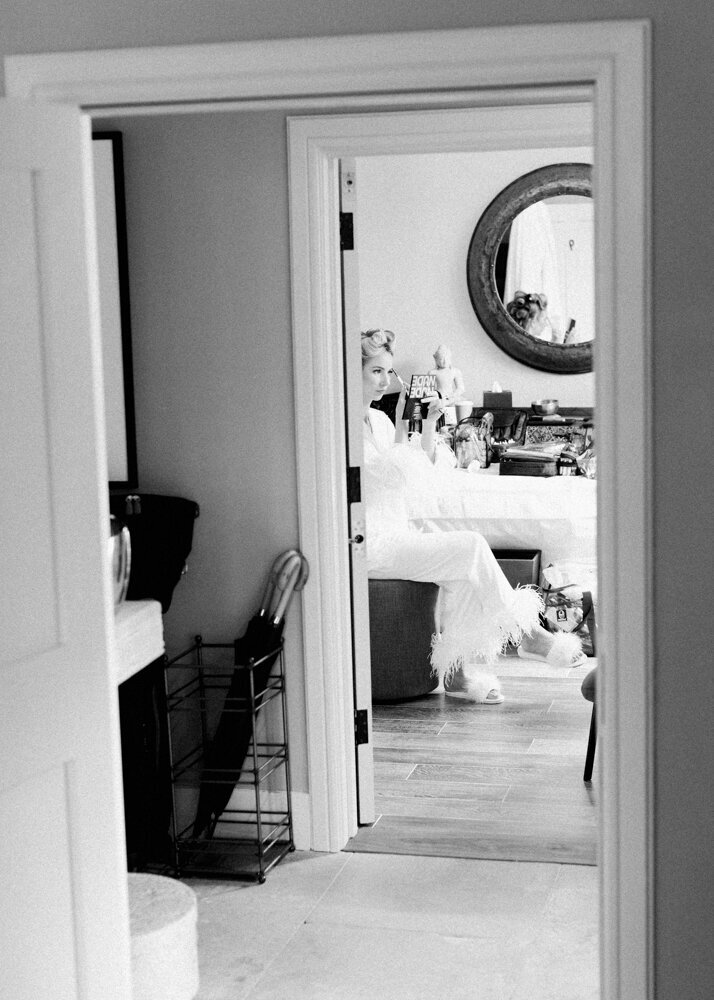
<point>279,613</point>
<point>299,582</point>
<point>285,571</point>
<point>284,584</point>
<point>273,577</point>
<point>304,573</point>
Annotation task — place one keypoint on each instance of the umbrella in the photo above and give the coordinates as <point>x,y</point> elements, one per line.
<point>258,648</point>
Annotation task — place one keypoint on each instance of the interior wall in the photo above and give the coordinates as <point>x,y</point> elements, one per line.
<point>415,218</point>
<point>207,230</point>
<point>683,546</point>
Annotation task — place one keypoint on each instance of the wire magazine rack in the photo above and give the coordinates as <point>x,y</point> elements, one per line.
<point>253,832</point>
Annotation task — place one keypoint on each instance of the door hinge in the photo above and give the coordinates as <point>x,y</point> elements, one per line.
<point>361,727</point>
<point>347,232</point>
<point>354,484</point>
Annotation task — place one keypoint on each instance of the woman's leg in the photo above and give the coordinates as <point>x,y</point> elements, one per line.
<point>443,558</point>
<point>479,612</point>
<point>559,649</point>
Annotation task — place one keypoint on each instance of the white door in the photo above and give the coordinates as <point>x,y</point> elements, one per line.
<point>358,566</point>
<point>64,925</point>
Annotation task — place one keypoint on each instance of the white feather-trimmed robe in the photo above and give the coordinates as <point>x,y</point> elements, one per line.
<point>478,611</point>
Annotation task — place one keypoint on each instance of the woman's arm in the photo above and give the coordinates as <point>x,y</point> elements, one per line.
<point>401,427</point>
<point>428,426</point>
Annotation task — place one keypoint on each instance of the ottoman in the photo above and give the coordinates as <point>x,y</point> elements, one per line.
<point>401,624</point>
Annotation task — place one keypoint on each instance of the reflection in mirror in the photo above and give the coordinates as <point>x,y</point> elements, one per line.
<point>544,270</point>
<point>530,269</point>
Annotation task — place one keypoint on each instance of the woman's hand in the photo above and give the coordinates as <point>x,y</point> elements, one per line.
<point>428,426</point>
<point>436,408</point>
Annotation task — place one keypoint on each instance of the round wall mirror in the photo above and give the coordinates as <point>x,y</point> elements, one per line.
<point>531,269</point>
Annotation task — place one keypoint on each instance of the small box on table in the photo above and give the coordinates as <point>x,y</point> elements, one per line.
<point>512,464</point>
<point>498,400</point>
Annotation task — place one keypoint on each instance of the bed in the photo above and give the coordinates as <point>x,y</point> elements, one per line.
<point>556,514</point>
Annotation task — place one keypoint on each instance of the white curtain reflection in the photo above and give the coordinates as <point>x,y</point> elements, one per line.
<point>532,266</point>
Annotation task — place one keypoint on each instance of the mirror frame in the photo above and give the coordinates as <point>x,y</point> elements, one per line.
<point>545,182</point>
<point>113,257</point>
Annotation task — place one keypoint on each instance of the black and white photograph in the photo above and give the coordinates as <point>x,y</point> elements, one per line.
<point>356,529</point>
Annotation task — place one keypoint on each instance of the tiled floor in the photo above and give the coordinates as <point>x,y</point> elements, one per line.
<point>384,927</point>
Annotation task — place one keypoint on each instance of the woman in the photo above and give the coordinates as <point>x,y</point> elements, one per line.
<point>478,612</point>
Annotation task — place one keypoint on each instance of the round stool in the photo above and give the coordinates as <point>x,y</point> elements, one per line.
<point>401,624</point>
<point>164,953</point>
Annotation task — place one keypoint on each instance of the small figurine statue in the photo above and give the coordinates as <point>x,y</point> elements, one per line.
<point>449,380</point>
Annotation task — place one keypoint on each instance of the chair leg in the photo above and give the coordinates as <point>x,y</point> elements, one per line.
<point>590,755</point>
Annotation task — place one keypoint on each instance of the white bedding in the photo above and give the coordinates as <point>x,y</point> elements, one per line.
<point>556,514</point>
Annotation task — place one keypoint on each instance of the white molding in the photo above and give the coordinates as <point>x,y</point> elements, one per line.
<point>346,102</point>
<point>302,832</point>
<point>320,435</point>
<point>345,65</point>
<point>613,56</point>
<point>450,130</point>
<point>623,395</point>
<point>315,145</point>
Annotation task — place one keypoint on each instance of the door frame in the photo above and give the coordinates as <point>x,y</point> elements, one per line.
<point>316,145</point>
<point>614,58</point>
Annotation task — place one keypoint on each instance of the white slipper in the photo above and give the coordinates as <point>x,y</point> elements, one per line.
<point>480,688</point>
<point>494,697</point>
<point>565,651</point>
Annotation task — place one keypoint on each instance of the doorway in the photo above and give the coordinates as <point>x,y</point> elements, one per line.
<point>435,759</point>
<point>614,56</point>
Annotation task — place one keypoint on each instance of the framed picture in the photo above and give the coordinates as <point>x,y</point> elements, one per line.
<point>115,315</point>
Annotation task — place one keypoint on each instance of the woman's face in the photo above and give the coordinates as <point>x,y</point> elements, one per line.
<point>376,377</point>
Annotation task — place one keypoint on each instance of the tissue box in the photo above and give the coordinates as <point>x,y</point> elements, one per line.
<point>494,400</point>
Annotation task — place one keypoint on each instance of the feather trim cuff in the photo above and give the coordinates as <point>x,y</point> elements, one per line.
<point>485,640</point>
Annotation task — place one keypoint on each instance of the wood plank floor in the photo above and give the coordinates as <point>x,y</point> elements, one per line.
<point>503,782</point>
